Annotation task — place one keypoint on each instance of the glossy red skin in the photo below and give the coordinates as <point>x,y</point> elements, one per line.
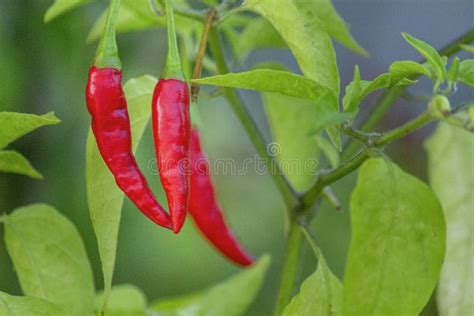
<point>171,133</point>
<point>205,210</point>
<point>111,127</point>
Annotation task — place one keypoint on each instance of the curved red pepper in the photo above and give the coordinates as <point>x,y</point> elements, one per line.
<point>111,127</point>
<point>171,132</point>
<point>205,210</point>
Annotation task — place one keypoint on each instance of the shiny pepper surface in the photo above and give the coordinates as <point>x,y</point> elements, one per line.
<point>111,127</point>
<point>171,132</point>
<point>205,210</point>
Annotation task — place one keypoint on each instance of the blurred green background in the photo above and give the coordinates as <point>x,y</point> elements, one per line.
<point>44,68</point>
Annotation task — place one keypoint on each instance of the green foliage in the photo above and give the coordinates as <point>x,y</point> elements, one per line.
<point>450,166</point>
<point>466,72</point>
<point>326,18</point>
<point>358,89</point>
<point>291,120</point>
<point>49,258</point>
<point>453,73</point>
<point>104,198</point>
<point>310,45</point>
<point>406,69</point>
<point>231,297</point>
<point>468,48</point>
<point>14,162</point>
<point>59,7</point>
<point>353,94</point>
<point>398,227</point>
<point>431,55</point>
<point>26,305</point>
<point>397,245</point>
<point>320,294</point>
<point>269,80</point>
<point>257,33</point>
<point>14,125</point>
<point>124,300</point>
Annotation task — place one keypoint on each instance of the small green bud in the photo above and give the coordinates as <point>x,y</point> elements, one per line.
<point>439,107</point>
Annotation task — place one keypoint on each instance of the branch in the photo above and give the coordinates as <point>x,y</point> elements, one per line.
<point>325,179</point>
<point>290,268</point>
<point>201,53</point>
<point>385,101</point>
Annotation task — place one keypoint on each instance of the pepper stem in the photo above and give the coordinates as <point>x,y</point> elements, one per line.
<point>107,51</point>
<point>173,67</point>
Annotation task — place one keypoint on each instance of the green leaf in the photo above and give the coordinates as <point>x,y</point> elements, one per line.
<point>14,125</point>
<point>59,7</point>
<point>311,46</point>
<point>49,258</point>
<point>320,294</point>
<point>466,72</point>
<point>124,300</point>
<point>450,163</point>
<point>24,305</point>
<point>257,34</point>
<point>14,162</point>
<point>467,48</point>
<point>398,243</point>
<point>430,54</point>
<point>104,198</point>
<point>353,94</point>
<point>406,69</point>
<point>291,121</point>
<point>453,73</point>
<point>358,89</point>
<point>327,19</point>
<point>269,80</point>
<point>231,297</point>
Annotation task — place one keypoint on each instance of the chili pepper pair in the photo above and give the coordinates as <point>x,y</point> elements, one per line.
<point>182,166</point>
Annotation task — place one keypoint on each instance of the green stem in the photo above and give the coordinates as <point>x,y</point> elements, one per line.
<point>405,129</point>
<point>173,67</point>
<point>250,125</point>
<point>290,267</point>
<point>107,51</point>
<point>311,239</point>
<point>388,98</point>
<point>326,179</point>
<point>353,163</point>
<point>201,53</point>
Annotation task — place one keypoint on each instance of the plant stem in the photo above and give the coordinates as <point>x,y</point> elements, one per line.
<point>353,163</point>
<point>201,53</point>
<point>290,267</point>
<point>359,135</point>
<point>385,102</point>
<point>308,233</point>
<point>173,67</point>
<point>405,129</point>
<point>335,174</point>
<point>250,126</point>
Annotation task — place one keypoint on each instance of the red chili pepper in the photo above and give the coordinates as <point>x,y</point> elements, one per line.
<point>205,210</point>
<point>111,125</point>
<point>172,129</point>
